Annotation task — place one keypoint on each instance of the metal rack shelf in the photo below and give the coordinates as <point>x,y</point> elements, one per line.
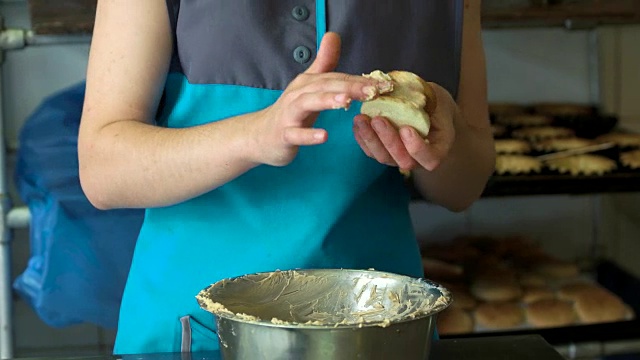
<point>76,16</point>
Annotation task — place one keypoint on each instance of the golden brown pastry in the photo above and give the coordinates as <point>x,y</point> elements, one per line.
<point>463,299</point>
<point>532,294</point>
<point>499,315</point>
<point>441,270</point>
<point>531,280</point>
<point>597,306</point>
<point>517,164</point>
<point>454,321</point>
<point>556,269</point>
<point>623,140</point>
<point>495,289</point>
<point>582,165</point>
<point>550,313</point>
<point>631,159</point>
<point>552,145</point>
<point>511,146</point>
<point>572,291</point>
<point>543,132</point>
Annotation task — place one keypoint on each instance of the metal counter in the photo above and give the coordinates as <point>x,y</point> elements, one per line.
<point>528,347</point>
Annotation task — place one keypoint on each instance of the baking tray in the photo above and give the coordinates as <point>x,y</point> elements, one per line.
<point>613,278</point>
<point>549,183</point>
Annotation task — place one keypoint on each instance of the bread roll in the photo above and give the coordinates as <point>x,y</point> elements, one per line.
<point>454,321</point>
<point>409,103</point>
<point>598,306</point>
<point>499,315</point>
<point>493,289</point>
<point>462,299</point>
<point>533,294</point>
<point>573,291</point>
<point>439,270</point>
<point>551,313</point>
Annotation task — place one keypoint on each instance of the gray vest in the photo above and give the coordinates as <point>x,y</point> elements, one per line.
<point>266,43</point>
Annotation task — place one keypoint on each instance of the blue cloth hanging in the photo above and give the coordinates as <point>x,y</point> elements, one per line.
<point>80,256</point>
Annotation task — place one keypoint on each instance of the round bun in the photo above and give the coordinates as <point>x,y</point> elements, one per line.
<point>551,313</point>
<point>599,307</point>
<point>462,299</point>
<point>409,103</point>
<point>573,291</point>
<point>454,321</point>
<point>499,315</point>
<point>536,293</point>
<point>493,289</point>
<point>556,269</point>
<point>435,269</point>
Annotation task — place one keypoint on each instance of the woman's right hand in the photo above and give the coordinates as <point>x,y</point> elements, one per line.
<point>288,124</point>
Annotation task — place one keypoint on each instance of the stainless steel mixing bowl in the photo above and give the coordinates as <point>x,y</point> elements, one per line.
<point>325,314</point>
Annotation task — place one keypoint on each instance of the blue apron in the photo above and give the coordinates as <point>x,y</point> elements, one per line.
<point>332,207</point>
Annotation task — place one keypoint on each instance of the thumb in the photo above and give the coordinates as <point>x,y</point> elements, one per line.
<point>328,54</point>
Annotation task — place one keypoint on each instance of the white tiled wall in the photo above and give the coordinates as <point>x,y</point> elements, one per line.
<point>523,66</point>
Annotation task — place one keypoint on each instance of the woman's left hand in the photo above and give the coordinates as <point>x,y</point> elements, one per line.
<point>404,147</point>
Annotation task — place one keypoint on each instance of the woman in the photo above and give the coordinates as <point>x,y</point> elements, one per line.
<point>218,118</point>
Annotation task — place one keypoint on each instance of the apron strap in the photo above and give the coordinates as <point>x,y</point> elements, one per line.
<point>321,20</point>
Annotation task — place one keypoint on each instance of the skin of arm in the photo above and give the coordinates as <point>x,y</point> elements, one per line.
<point>128,162</point>
<point>452,168</point>
<point>461,177</point>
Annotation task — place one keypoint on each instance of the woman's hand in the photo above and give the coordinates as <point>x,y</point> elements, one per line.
<point>404,147</point>
<point>288,123</point>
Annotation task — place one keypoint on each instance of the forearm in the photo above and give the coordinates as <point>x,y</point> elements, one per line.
<point>134,164</point>
<point>462,176</point>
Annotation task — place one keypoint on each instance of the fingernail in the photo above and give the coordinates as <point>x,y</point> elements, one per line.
<point>369,92</point>
<point>318,136</point>
<point>343,101</point>
<point>385,87</point>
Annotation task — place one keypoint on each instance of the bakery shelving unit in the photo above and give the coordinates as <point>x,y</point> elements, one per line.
<point>71,21</point>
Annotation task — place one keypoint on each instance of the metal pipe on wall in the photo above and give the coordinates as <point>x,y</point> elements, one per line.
<point>6,298</point>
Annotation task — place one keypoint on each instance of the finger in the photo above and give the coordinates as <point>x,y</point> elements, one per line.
<point>427,155</point>
<point>371,140</point>
<point>357,87</point>
<point>390,138</point>
<point>328,54</point>
<point>361,142</point>
<point>308,103</point>
<point>304,136</point>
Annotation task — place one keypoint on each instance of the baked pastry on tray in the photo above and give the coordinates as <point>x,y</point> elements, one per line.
<point>631,159</point>
<point>583,165</point>
<point>600,307</point>
<point>623,140</point>
<point>542,132</point>
<point>563,109</point>
<point>517,164</point>
<point>499,315</point>
<point>453,321</point>
<point>552,145</point>
<point>511,146</point>
<point>524,120</point>
<point>551,313</point>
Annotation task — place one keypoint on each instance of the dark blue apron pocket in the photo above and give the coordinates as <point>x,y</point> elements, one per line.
<point>196,336</point>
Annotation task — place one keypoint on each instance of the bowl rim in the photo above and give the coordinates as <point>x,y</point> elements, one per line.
<point>445,293</point>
